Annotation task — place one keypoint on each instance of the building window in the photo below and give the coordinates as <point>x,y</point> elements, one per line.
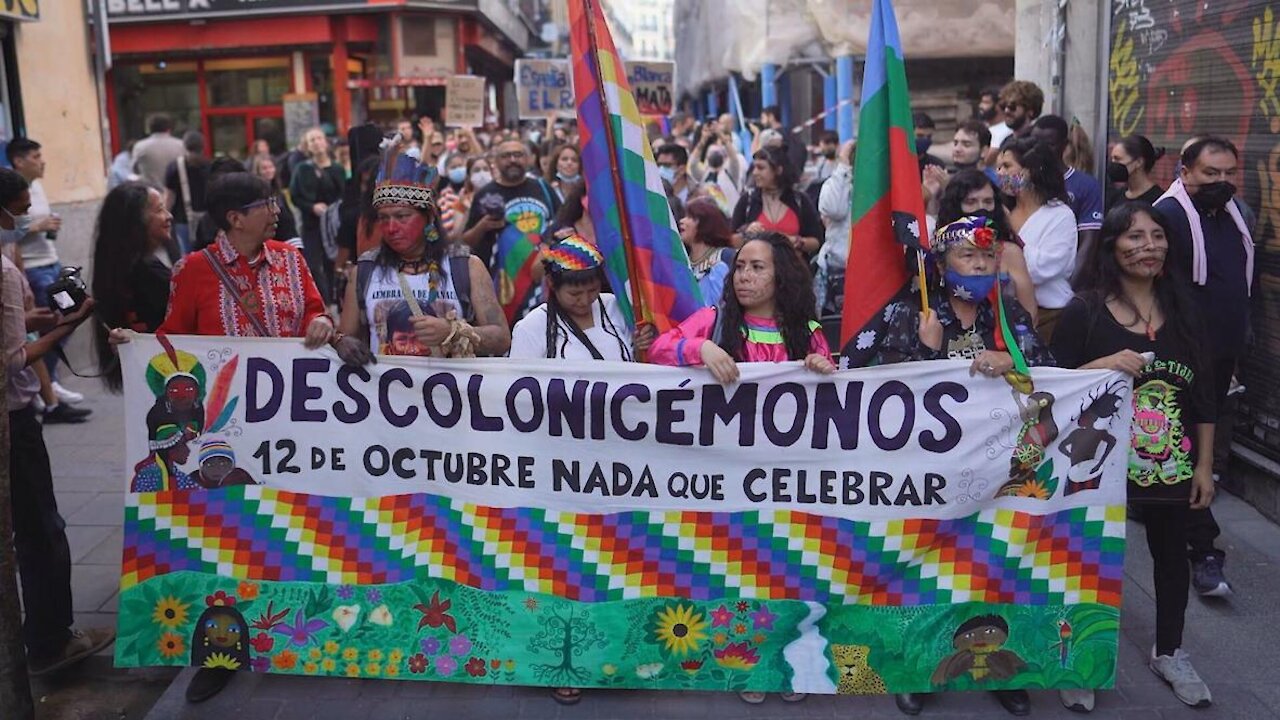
<point>247,82</point>
<point>143,91</point>
<point>419,35</point>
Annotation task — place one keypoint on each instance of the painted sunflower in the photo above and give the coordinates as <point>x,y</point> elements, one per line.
<point>1033,489</point>
<point>221,661</point>
<point>170,645</point>
<point>170,613</point>
<point>680,629</point>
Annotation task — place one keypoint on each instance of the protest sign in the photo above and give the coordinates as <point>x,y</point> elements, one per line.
<point>653,84</point>
<point>544,89</point>
<point>464,101</point>
<point>596,524</point>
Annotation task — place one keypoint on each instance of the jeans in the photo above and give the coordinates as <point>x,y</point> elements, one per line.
<point>40,279</point>
<point>1166,525</point>
<point>40,539</point>
<point>1202,528</point>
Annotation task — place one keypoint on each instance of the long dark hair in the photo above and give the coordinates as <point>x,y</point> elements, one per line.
<point>965,182</point>
<point>572,210</point>
<point>120,242</point>
<point>433,252</point>
<point>794,302</point>
<point>1139,147</point>
<point>1101,281</point>
<point>576,278</point>
<point>1044,168</point>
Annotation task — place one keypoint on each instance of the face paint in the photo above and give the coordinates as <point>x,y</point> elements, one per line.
<point>403,229</point>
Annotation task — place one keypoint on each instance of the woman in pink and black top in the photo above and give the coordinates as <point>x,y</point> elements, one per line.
<point>766,315</point>
<point>774,205</point>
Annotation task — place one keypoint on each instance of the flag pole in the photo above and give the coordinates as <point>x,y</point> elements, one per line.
<point>924,292</point>
<point>639,311</point>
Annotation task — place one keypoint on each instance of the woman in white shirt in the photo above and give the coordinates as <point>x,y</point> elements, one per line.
<point>1031,175</point>
<point>578,321</point>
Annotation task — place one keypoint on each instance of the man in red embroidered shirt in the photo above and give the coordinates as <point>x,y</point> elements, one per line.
<point>245,284</point>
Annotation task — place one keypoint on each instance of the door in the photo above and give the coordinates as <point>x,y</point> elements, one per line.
<point>232,131</point>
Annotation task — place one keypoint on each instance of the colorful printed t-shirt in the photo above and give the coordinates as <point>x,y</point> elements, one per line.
<point>682,345</point>
<point>1170,397</point>
<point>528,209</point>
<point>384,303</point>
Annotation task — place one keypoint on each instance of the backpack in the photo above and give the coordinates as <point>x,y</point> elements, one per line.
<point>459,272</point>
<point>330,225</point>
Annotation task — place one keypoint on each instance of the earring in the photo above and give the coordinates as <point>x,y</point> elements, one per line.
<point>431,233</point>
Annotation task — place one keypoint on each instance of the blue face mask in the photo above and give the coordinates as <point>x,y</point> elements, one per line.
<point>568,178</point>
<point>970,288</point>
<point>457,175</point>
<point>667,173</point>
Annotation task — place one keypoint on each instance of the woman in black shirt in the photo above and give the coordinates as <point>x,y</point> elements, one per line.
<point>1135,317</point>
<point>130,278</point>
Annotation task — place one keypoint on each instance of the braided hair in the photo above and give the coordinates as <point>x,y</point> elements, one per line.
<point>555,315</point>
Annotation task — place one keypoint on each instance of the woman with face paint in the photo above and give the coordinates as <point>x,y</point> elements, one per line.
<point>1031,180</point>
<point>1129,171</point>
<point>1137,316</point>
<point>454,309</point>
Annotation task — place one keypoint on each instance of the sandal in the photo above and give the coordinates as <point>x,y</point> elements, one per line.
<point>566,695</point>
<point>752,698</point>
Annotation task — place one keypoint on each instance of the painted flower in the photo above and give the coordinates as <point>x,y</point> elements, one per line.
<point>310,668</point>
<point>331,647</point>
<point>373,669</point>
<point>720,638</point>
<point>650,670</point>
<point>300,632</point>
<point>758,638</point>
<point>430,645</point>
<point>353,670</point>
<point>260,664</point>
<point>609,669</point>
<point>393,671</point>
<point>374,655</point>
<point>221,661</point>
<point>314,654</point>
<point>418,664</point>
<point>345,616</point>
<point>270,619</point>
<point>531,604</point>
<point>436,614</point>
<point>691,666</point>
<point>219,598</point>
<point>740,628</point>
<point>1033,489</point>
<point>328,665</point>
<point>446,666</point>
<point>495,664</point>
<point>346,592</point>
<point>511,665</point>
<point>681,629</point>
<point>395,656</point>
<point>374,596</point>
<point>263,642</point>
<point>380,616</point>
<point>762,619</point>
<point>475,667</point>
<point>170,613</point>
<point>738,656</point>
<point>459,645</point>
<point>721,617</point>
<point>285,660</point>
<point>743,606</point>
<point>247,590</point>
<point>350,654</point>
<point>170,645</point>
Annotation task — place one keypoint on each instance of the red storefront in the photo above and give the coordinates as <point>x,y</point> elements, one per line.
<point>235,74</point>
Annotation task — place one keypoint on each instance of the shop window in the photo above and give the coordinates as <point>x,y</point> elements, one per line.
<point>247,82</point>
<point>143,91</point>
<point>419,34</point>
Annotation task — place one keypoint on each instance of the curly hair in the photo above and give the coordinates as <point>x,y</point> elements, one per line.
<point>795,307</point>
<point>781,164</point>
<point>1043,166</point>
<point>1024,93</point>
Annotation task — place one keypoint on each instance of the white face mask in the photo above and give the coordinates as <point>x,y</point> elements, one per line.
<point>480,178</point>
<point>8,237</point>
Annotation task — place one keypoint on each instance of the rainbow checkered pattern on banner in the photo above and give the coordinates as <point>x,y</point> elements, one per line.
<point>993,556</point>
<point>627,201</point>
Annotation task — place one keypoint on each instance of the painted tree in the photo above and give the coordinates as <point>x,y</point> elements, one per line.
<point>568,636</point>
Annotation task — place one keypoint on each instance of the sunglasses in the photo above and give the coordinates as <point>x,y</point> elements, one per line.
<point>1009,107</point>
<point>270,203</point>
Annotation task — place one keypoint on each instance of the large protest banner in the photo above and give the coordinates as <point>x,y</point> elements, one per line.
<point>595,524</point>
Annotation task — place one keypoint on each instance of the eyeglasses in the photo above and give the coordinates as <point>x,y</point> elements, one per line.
<point>1009,107</point>
<point>270,203</point>
<point>513,155</point>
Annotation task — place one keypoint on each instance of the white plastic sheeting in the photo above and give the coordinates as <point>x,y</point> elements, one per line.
<point>717,37</point>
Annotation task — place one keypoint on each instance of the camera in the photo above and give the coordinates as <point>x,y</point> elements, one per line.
<point>68,293</point>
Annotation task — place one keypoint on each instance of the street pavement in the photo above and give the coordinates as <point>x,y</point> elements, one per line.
<point>1235,644</point>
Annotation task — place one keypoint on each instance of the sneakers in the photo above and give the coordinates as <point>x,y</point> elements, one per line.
<point>65,414</point>
<point>81,645</point>
<point>1080,701</point>
<point>65,395</point>
<point>1176,670</point>
<point>1207,577</point>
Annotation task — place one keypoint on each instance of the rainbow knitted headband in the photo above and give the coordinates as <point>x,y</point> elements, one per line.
<point>572,254</point>
<point>216,447</point>
<point>979,232</point>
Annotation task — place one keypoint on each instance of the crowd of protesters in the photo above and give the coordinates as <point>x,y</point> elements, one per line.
<point>464,243</point>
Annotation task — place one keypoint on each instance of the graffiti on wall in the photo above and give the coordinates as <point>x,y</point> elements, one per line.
<point>1180,68</point>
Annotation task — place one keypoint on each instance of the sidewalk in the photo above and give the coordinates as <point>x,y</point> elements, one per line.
<point>1234,644</point>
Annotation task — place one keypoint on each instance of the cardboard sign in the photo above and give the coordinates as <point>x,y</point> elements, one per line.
<point>464,101</point>
<point>545,89</point>
<point>653,84</point>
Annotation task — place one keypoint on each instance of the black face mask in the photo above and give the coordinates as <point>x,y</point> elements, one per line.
<point>829,153</point>
<point>1117,173</point>
<point>1214,196</point>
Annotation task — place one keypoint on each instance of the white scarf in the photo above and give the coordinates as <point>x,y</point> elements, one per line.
<point>1199,259</point>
